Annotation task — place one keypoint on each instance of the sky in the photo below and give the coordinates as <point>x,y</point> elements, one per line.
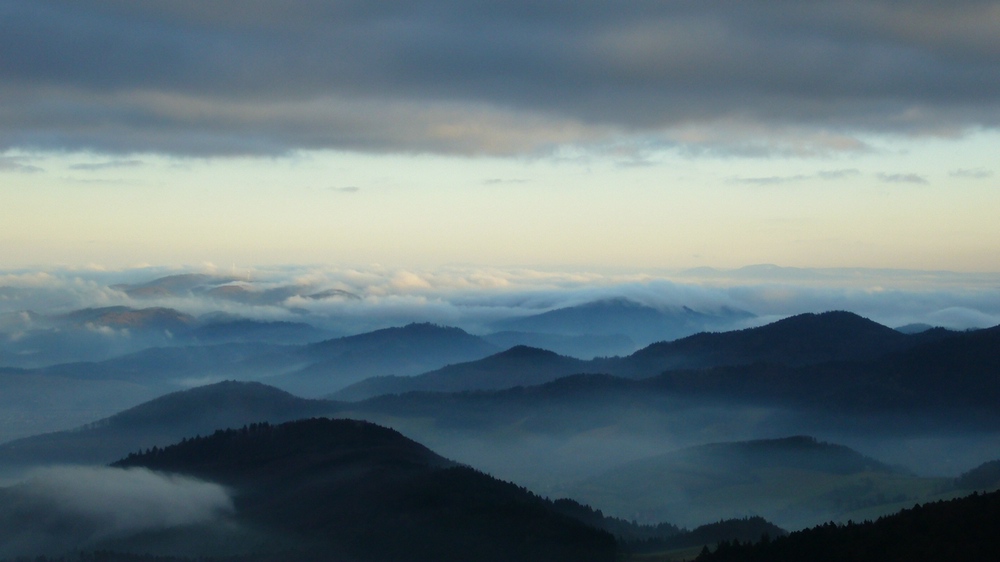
<point>577,135</point>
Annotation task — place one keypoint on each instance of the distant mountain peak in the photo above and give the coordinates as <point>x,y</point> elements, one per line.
<point>208,400</point>
<point>527,352</point>
<point>828,317</point>
<point>429,327</point>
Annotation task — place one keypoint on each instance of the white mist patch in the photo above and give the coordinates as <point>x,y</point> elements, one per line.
<point>962,318</point>
<point>121,501</point>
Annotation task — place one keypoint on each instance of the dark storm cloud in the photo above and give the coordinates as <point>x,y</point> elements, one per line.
<point>265,77</point>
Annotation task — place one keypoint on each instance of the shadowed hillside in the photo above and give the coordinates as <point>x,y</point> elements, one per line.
<point>343,488</point>
<point>960,529</point>
<point>798,340</point>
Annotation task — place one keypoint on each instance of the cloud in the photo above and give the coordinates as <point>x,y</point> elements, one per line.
<point>347,189</point>
<point>13,164</point>
<point>828,175</point>
<point>961,318</point>
<point>61,508</point>
<point>502,181</point>
<point>838,174</point>
<point>770,180</point>
<point>977,173</point>
<point>107,165</point>
<point>473,297</point>
<point>182,77</point>
<point>903,178</point>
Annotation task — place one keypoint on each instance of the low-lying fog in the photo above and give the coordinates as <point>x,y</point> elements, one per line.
<point>62,508</point>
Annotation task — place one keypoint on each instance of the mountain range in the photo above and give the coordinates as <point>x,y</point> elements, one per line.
<point>642,324</point>
<point>627,435</point>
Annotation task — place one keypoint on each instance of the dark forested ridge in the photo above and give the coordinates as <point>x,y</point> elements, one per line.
<point>346,489</point>
<point>798,340</point>
<point>963,529</point>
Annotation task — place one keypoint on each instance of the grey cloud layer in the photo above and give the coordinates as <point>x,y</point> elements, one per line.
<point>61,509</point>
<point>485,77</point>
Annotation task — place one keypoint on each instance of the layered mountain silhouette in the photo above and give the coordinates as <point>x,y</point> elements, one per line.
<point>582,346</point>
<point>409,350</point>
<point>948,381</point>
<point>798,341</point>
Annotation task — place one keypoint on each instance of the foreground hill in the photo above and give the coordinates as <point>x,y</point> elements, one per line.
<point>960,529</point>
<point>353,490</point>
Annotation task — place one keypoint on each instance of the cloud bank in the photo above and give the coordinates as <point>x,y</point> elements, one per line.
<point>196,78</point>
<point>355,300</point>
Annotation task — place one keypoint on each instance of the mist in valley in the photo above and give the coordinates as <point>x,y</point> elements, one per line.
<point>716,406</point>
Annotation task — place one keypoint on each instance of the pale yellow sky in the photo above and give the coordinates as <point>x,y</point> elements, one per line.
<point>918,203</point>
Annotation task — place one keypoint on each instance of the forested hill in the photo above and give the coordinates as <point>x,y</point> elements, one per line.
<point>352,490</point>
<point>964,530</point>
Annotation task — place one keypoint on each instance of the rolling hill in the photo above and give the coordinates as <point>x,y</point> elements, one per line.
<point>798,340</point>
<point>343,489</point>
<point>404,351</point>
<point>518,366</point>
<point>641,323</point>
